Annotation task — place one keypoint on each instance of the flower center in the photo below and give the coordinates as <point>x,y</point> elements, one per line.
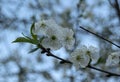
<point>78,58</point>
<point>113,57</point>
<point>53,37</point>
<point>68,38</point>
<point>43,25</point>
<point>88,52</point>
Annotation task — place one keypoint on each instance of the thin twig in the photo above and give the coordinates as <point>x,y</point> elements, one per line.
<point>52,55</point>
<point>111,3</point>
<point>100,37</point>
<point>48,53</point>
<point>116,7</point>
<point>109,73</point>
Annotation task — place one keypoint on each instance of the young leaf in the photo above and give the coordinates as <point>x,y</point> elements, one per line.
<point>34,36</point>
<point>24,39</point>
<point>33,50</point>
<point>101,60</point>
<point>21,39</point>
<point>26,36</point>
<point>41,39</point>
<point>33,41</point>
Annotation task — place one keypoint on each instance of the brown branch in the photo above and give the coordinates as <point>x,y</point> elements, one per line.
<point>48,53</point>
<point>109,73</point>
<point>44,50</point>
<point>100,37</point>
<point>111,3</point>
<point>116,7</point>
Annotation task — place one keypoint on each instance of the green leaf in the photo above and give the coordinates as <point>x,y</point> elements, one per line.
<point>26,36</point>
<point>33,50</point>
<point>33,41</point>
<point>24,39</point>
<point>41,39</point>
<point>27,39</point>
<point>101,60</point>
<point>21,39</point>
<point>34,36</point>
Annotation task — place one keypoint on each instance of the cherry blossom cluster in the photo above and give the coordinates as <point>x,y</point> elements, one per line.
<point>56,37</point>
<point>84,55</point>
<point>47,35</point>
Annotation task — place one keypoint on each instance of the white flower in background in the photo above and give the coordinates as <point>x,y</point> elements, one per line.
<point>68,39</point>
<point>82,56</point>
<point>53,39</point>
<point>92,52</point>
<point>113,59</point>
<point>79,58</point>
<point>40,27</point>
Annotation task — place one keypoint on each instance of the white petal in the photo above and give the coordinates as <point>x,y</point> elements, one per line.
<point>40,27</point>
<point>85,61</point>
<point>112,59</point>
<point>67,38</point>
<point>78,57</point>
<point>94,54</point>
<point>48,43</point>
<point>95,57</point>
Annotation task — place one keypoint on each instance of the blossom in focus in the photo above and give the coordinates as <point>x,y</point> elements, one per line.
<point>113,59</point>
<point>52,39</point>
<point>54,35</point>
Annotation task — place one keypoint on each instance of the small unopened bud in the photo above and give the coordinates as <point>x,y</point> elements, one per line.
<point>48,49</point>
<point>48,54</point>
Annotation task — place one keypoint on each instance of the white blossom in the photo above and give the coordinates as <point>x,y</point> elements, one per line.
<point>82,56</point>
<point>113,59</point>
<point>53,44</point>
<point>79,58</point>
<point>51,31</point>
<point>40,27</point>
<point>68,39</point>
<point>55,35</point>
<point>92,52</point>
<point>53,39</point>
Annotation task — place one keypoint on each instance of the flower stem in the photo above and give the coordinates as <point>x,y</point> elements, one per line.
<point>100,37</point>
